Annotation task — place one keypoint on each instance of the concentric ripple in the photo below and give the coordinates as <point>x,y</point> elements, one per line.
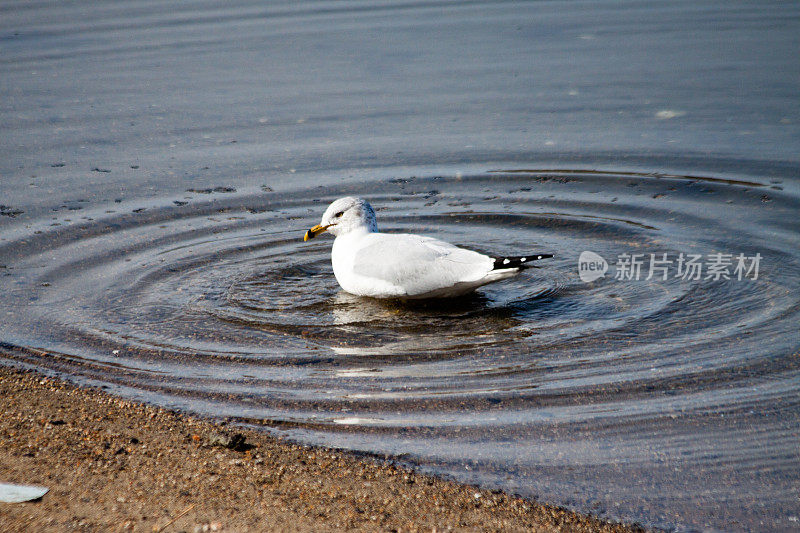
<point>636,398</point>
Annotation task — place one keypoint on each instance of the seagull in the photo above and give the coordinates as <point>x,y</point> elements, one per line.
<point>403,266</point>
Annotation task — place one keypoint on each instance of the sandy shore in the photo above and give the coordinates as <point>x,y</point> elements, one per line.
<point>114,465</point>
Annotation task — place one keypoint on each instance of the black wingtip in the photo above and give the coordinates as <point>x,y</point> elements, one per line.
<point>520,261</point>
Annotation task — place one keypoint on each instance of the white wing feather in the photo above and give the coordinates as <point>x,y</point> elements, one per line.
<point>418,265</point>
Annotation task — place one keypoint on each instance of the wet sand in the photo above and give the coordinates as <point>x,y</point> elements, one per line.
<point>115,465</point>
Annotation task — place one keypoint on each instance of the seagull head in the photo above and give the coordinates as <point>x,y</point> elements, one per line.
<point>343,216</point>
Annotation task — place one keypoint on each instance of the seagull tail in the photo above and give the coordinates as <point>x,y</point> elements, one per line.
<point>521,261</point>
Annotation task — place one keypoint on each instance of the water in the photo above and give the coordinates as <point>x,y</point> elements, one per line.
<point>160,165</point>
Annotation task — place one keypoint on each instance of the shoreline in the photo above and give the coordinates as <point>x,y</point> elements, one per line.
<point>117,465</point>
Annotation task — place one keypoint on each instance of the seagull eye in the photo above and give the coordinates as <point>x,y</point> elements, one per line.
<point>337,215</point>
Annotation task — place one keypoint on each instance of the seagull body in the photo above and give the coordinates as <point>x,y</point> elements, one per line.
<point>391,265</point>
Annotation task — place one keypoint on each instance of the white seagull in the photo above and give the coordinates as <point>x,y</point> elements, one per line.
<point>400,265</point>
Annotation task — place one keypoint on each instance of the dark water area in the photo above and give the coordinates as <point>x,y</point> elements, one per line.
<point>159,164</point>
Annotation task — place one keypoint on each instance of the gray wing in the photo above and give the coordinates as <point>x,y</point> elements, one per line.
<point>418,264</point>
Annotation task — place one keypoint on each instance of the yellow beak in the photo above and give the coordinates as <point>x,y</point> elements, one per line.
<point>313,232</point>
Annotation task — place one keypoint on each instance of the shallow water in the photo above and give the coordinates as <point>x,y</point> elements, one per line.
<point>159,168</point>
